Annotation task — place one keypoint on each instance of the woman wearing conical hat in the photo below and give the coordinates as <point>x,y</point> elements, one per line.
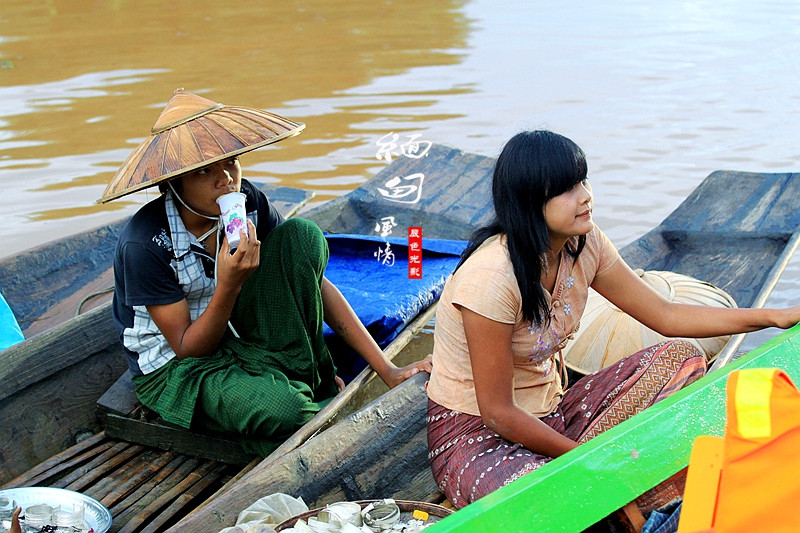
<point>218,339</point>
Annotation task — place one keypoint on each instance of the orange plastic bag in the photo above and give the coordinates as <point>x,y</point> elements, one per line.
<point>748,480</point>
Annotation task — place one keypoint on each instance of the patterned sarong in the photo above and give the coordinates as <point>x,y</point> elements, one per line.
<point>469,460</point>
<point>266,384</point>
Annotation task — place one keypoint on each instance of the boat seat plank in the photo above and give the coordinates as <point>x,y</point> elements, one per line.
<point>145,506</point>
<point>127,419</point>
<point>85,474</point>
<point>119,483</point>
<point>184,499</point>
<point>121,506</point>
<point>120,399</point>
<point>158,503</point>
<point>160,434</point>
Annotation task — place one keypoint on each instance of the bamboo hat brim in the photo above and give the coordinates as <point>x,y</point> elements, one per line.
<point>193,132</point>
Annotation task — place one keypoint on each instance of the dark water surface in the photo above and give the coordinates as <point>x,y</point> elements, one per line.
<point>658,94</point>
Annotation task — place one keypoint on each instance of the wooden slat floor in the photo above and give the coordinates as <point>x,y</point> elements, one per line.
<point>147,490</point>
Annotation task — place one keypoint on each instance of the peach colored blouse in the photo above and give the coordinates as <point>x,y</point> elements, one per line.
<point>486,285</point>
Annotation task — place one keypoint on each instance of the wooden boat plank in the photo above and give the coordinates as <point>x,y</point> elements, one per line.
<point>98,467</point>
<point>120,399</point>
<point>153,479</point>
<point>115,488</point>
<point>455,191</point>
<point>623,462</point>
<point>162,501</point>
<point>102,473</point>
<point>50,476</point>
<point>184,498</point>
<point>118,509</point>
<point>176,439</point>
<point>29,403</point>
<point>151,465</point>
<point>65,345</point>
<point>152,501</point>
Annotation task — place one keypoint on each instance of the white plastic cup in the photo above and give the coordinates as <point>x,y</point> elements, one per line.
<point>7,507</point>
<point>65,517</point>
<point>38,515</point>
<point>233,216</point>
<point>342,512</point>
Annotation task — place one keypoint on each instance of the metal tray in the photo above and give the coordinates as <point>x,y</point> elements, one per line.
<point>96,516</point>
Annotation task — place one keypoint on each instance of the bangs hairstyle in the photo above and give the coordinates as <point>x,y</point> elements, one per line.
<point>534,167</point>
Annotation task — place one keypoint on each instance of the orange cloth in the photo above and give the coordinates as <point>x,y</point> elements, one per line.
<point>748,480</point>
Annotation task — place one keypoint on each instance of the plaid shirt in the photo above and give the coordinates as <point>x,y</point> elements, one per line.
<point>144,337</point>
<point>159,262</point>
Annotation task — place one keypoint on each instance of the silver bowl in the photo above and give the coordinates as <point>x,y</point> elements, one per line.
<point>96,516</point>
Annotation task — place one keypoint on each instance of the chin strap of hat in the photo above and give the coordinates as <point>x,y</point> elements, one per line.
<point>214,229</point>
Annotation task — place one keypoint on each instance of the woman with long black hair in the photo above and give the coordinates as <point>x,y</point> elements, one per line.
<point>499,406</point>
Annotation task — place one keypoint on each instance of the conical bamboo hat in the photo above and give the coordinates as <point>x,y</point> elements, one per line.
<point>607,334</point>
<point>193,132</point>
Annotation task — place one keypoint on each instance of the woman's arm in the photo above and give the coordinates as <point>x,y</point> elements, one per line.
<point>343,320</point>
<point>489,345</point>
<point>622,287</point>
<point>202,337</point>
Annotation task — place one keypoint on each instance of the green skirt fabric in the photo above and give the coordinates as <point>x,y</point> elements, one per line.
<point>273,379</point>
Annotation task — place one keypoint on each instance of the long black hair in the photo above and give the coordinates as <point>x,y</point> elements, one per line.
<point>533,167</point>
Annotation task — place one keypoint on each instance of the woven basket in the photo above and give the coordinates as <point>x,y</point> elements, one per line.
<point>607,334</point>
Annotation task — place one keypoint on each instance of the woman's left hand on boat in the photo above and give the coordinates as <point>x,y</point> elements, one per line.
<point>399,375</point>
<point>786,318</point>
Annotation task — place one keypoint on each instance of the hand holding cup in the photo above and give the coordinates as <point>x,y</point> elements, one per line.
<point>233,216</point>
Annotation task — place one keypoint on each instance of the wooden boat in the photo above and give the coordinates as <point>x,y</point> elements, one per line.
<point>149,490</point>
<point>53,432</point>
<point>736,230</point>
